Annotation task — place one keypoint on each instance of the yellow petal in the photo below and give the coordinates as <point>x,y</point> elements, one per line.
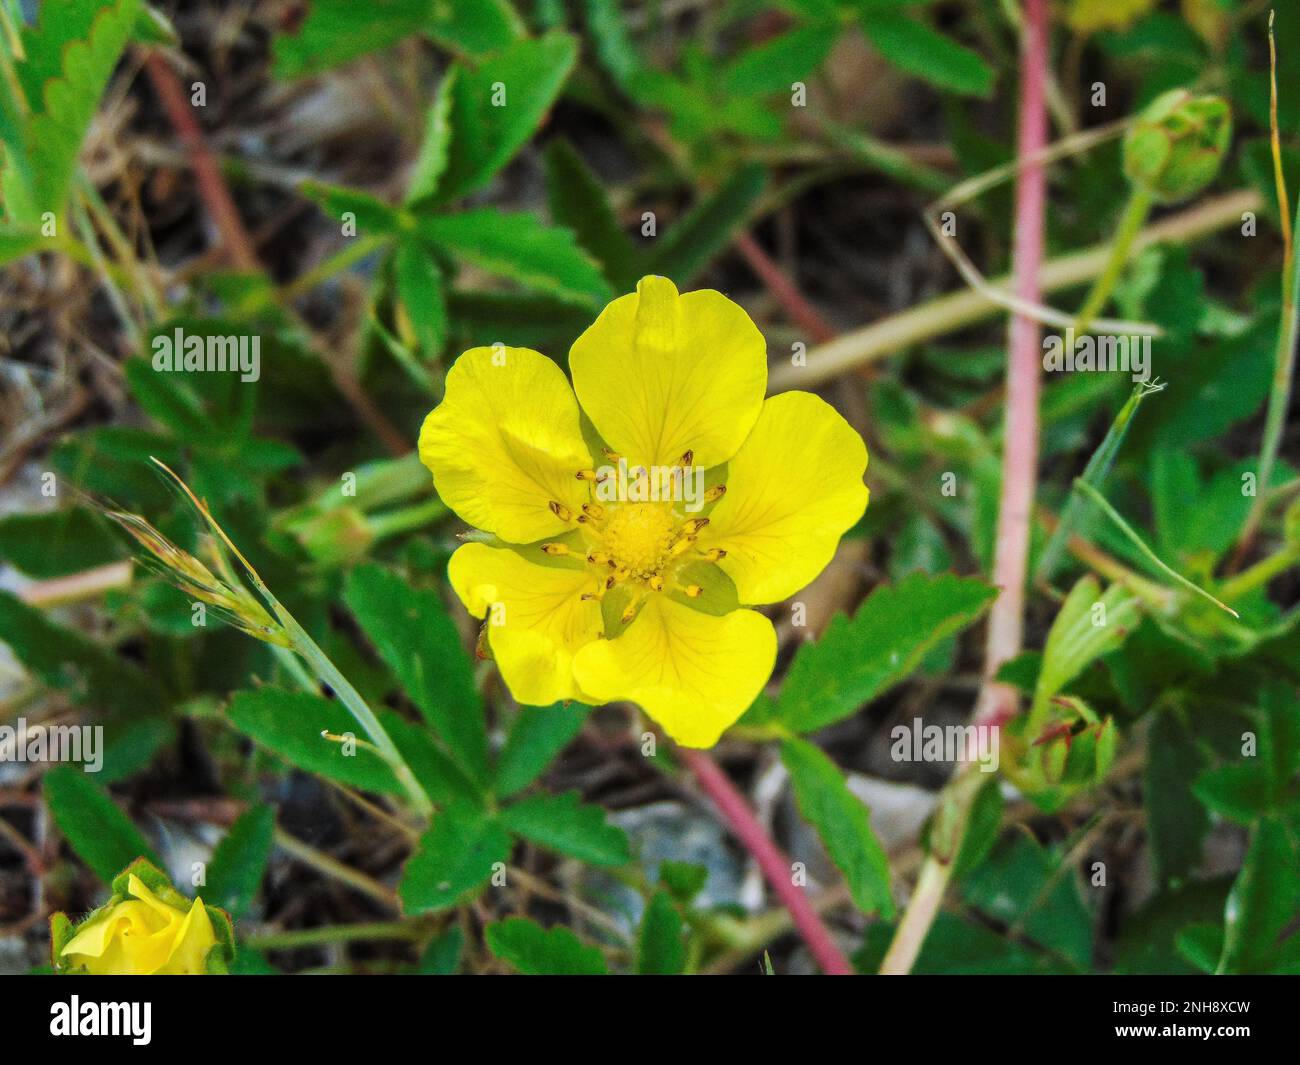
<point>660,374</point>
<point>793,489</point>
<point>693,673</point>
<point>537,620</point>
<point>191,942</point>
<point>505,442</point>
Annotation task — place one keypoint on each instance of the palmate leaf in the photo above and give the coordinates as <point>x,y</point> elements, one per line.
<point>455,857</point>
<point>71,54</point>
<point>563,823</point>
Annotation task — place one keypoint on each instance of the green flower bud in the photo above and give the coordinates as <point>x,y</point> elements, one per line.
<point>1176,146</point>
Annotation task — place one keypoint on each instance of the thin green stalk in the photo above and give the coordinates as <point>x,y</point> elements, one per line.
<point>405,519</point>
<point>1141,546</point>
<point>1094,474</point>
<point>1260,573</point>
<point>1130,225</point>
<point>346,933</point>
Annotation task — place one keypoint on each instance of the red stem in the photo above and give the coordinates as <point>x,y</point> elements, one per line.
<point>784,290</point>
<point>1020,450</point>
<point>775,865</point>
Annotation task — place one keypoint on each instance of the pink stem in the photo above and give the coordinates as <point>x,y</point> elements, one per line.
<point>775,865</point>
<point>1020,449</point>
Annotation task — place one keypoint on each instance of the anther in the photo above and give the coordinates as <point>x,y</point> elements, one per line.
<point>555,550</point>
<point>682,546</point>
<point>593,510</point>
<point>629,612</point>
<point>586,475</point>
<point>611,454</point>
<point>656,582</point>
<point>687,458</point>
<point>715,493</point>
<point>561,511</point>
<point>597,558</point>
<point>714,554</point>
<point>695,525</point>
<point>693,590</point>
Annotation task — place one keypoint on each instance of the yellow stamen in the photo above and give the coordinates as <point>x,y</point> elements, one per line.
<point>561,511</point>
<point>586,475</point>
<point>593,510</point>
<point>693,590</point>
<point>597,558</point>
<point>682,546</point>
<point>629,612</point>
<point>555,550</point>
<point>687,458</point>
<point>656,582</point>
<point>611,454</point>
<point>714,554</point>
<point>715,493</point>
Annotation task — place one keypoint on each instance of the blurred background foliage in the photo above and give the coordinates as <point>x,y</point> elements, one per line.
<point>392,216</point>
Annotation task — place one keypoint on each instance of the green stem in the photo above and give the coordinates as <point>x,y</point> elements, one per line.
<point>407,518</point>
<point>1260,573</point>
<point>347,933</point>
<point>1130,225</point>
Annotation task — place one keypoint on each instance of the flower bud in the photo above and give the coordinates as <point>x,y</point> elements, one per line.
<point>1176,146</point>
<point>144,929</point>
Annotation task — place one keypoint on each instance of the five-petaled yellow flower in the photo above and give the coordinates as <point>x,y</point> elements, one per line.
<point>625,579</point>
<point>143,935</point>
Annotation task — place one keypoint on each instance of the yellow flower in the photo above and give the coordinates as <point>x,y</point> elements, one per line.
<point>142,935</point>
<point>629,579</point>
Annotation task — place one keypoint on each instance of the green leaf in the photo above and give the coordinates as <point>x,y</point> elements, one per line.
<point>842,822</point>
<point>1264,902</point>
<point>290,725</point>
<point>539,733</point>
<point>578,202</point>
<point>420,288</point>
<point>442,956</point>
<point>436,146</point>
<point>239,862</point>
<point>683,879</point>
<point>520,247</point>
<point>67,660</point>
<point>338,31</point>
<point>414,635</point>
<point>692,242</point>
<point>70,55</point>
<point>373,217</point>
<point>455,857</point>
<point>1176,822</point>
<point>537,951</point>
<point>857,660</point>
<point>564,823</point>
<point>497,105</point>
<point>102,836</point>
<point>775,65</point>
<point>613,43</point>
<point>1082,633</point>
<point>915,48</point>
<point>660,948</point>
<point>57,542</point>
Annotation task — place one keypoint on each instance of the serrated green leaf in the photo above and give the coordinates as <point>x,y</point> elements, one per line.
<point>70,56</point>
<point>564,823</point>
<point>498,104</point>
<point>539,733</point>
<point>414,635</point>
<point>436,147</point>
<point>579,203</point>
<point>239,862</point>
<point>916,49</point>
<point>1264,901</point>
<point>690,243</point>
<point>857,660</point>
<point>520,247</point>
<point>373,217</point>
<point>842,822</point>
<point>101,834</point>
<point>660,949</point>
<point>455,857</point>
<point>537,951</point>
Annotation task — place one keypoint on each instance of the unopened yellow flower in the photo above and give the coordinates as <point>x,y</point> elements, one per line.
<point>143,935</point>
<point>628,577</point>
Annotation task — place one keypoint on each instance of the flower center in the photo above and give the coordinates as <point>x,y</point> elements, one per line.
<point>638,537</point>
<point>640,545</point>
